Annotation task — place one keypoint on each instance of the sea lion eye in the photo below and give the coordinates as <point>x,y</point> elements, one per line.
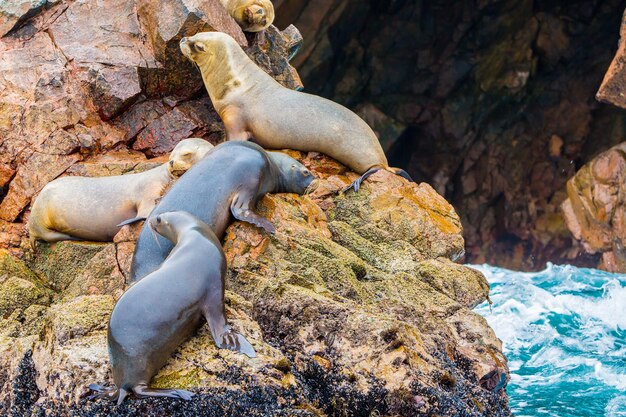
<point>198,47</point>
<point>158,220</point>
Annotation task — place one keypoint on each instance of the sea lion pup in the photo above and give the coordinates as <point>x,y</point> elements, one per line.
<point>254,106</point>
<point>226,183</point>
<point>251,15</point>
<point>91,208</point>
<point>158,314</point>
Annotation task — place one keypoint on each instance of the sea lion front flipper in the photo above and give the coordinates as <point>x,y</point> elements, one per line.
<point>234,124</point>
<point>144,391</point>
<point>240,207</point>
<point>235,341</point>
<point>108,393</point>
<point>130,221</point>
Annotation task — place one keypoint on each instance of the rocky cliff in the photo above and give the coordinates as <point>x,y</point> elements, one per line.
<point>491,102</point>
<point>595,210</point>
<point>355,306</point>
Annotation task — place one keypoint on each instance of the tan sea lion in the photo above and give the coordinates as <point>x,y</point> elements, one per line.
<point>157,314</point>
<point>251,15</point>
<point>254,106</point>
<point>92,208</point>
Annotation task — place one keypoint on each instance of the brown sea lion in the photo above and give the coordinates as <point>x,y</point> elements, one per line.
<point>226,184</point>
<point>251,15</point>
<point>158,314</point>
<point>92,208</point>
<point>254,106</point>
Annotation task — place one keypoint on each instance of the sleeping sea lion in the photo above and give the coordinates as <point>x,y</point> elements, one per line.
<point>251,15</point>
<point>158,314</point>
<point>254,106</point>
<point>226,183</point>
<point>91,208</point>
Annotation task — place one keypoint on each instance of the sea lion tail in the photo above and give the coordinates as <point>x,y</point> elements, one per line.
<point>400,172</point>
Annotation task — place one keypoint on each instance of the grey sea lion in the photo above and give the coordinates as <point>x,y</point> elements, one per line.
<point>92,208</point>
<point>251,15</point>
<point>158,314</point>
<point>226,183</point>
<point>254,106</point>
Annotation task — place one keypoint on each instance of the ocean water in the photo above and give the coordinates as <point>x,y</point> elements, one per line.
<point>564,332</point>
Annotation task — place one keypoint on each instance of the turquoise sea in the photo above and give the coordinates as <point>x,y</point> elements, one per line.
<point>564,332</point>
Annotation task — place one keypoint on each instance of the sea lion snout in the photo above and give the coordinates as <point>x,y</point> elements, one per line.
<point>255,14</point>
<point>155,222</point>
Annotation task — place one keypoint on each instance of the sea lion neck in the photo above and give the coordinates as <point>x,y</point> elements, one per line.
<point>218,71</point>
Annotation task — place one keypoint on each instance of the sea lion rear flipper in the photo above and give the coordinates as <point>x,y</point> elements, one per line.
<point>356,184</point>
<point>130,221</point>
<point>240,207</point>
<point>401,172</point>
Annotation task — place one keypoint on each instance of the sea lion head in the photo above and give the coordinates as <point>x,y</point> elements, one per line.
<point>293,176</point>
<point>186,154</point>
<point>204,45</point>
<point>254,16</point>
<point>172,224</point>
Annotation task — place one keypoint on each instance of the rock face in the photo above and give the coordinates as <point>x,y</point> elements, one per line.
<point>595,210</point>
<point>83,79</point>
<point>491,102</point>
<point>355,307</point>
<point>614,83</point>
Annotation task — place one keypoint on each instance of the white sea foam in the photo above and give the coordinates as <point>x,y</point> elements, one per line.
<point>564,332</point>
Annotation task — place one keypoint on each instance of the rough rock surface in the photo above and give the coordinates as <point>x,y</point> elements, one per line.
<point>595,210</point>
<point>491,102</point>
<point>355,308</point>
<point>614,83</point>
<point>80,79</point>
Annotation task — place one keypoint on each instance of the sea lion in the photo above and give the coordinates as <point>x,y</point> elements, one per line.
<point>251,15</point>
<point>91,208</point>
<point>158,314</point>
<point>254,106</point>
<point>230,179</point>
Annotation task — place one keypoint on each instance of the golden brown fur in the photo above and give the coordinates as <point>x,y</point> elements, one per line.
<point>255,106</point>
<point>251,15</point>
<point>88,208</point>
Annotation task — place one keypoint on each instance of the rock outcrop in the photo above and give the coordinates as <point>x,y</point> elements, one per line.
<point>595,210</point>
<point>79,80</point>
<point>491,102</point>
<point>355,307</point>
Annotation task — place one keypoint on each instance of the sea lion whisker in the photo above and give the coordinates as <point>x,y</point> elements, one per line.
<point>156,238</point>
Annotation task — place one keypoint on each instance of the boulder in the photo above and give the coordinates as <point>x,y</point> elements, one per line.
<point>595,210</point>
